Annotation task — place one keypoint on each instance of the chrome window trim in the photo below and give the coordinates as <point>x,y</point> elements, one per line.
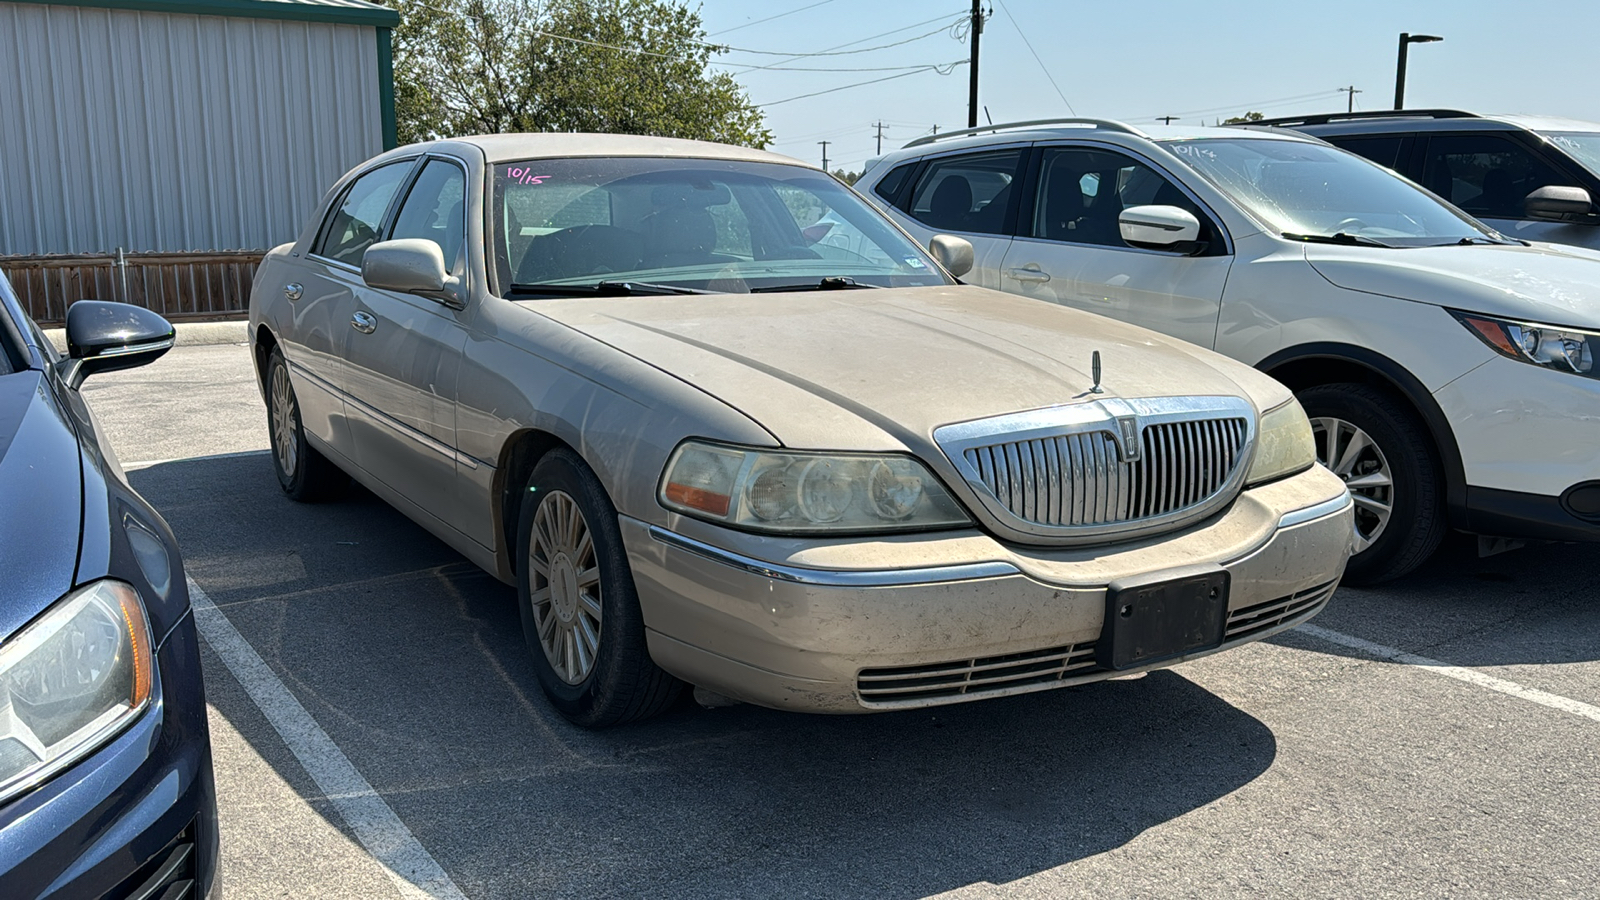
<point>1095,416</point>
<point>839,578</point>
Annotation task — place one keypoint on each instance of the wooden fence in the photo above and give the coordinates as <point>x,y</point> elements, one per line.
<point>211,285</point>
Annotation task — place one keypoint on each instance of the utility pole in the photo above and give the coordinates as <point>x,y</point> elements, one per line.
<point>936,129</point>
<point>972,88</point>
<point>1351,90</point>
<point>1168,120</point>
<point>824,154</point>
<point>879,126</point>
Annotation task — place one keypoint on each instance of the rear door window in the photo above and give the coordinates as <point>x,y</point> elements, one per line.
<point>972,192</point>
<point>1487,175</point>
<point>355,222</point>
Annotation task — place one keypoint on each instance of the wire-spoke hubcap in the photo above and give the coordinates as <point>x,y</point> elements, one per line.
<point>1354,456</point>
<point>284,436</point>
<point>566,587</point>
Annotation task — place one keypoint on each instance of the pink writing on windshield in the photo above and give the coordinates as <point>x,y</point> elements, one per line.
<point>525,176</point>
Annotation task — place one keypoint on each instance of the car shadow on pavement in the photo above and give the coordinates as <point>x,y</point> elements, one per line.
<point>412,660</point>
<point>1531,606</point>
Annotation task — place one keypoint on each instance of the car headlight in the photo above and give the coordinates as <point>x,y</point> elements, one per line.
<point>789,492</point>
<point>70,680</point>
<point>1283,444</point>
<point>1563,349</point>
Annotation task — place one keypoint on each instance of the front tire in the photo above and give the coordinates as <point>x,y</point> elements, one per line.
<point>304,474</point>
<point>1381,450</point>
<point>580,609</point>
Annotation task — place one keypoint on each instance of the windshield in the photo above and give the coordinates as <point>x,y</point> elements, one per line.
<point>1314,191</point>
<point>1583,146</point>
<point>695,224</point>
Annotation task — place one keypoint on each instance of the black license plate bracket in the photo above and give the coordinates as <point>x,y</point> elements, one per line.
<point>1165,615</point>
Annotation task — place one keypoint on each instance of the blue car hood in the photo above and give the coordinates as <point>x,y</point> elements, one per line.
<point>41,499</point>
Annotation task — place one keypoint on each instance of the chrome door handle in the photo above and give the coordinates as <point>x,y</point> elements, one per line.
<point>293,290</point>
<point>1030,272</point>
<point>364,323</point>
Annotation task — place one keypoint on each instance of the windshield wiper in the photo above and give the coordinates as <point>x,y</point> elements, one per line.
<point>1502,242</point>
<point>1338,237</point>
<point>604,289</point>
<point>831,283</point>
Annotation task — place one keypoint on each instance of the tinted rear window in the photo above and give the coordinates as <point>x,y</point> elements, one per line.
<point>1385,151</point>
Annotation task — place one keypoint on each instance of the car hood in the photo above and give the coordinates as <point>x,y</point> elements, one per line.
<point>1542,282</point>
<point>41,479</point>
<point>880,369</point>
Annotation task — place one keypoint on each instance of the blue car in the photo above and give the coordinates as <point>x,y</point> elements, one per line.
<point>106,788</point>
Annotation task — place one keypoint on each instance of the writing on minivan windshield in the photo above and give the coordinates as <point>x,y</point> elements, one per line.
<point>636,226</point>
<point>1311,191</point>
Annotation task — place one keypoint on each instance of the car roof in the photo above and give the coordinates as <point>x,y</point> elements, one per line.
<point>1070,129</point>
<point>1442,120</point>
<point>498,148</point>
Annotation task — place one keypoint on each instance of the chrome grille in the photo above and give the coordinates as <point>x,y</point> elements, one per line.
<point>1080,479</point>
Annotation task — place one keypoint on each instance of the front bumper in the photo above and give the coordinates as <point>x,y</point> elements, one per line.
<point>893,623</point>
<point>139,812</point>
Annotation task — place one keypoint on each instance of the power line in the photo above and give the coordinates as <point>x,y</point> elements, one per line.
<point>829,51</point>
<point>1029,44</point>
<point>778,16</point>
<point>845,87</point>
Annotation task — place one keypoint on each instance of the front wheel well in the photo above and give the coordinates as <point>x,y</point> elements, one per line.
<point>521,453</point>
<point>1354,365</point>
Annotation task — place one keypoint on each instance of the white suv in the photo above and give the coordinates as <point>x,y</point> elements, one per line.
<point>1449,372</point>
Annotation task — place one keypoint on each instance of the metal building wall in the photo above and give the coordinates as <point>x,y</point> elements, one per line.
<point>163,132</point>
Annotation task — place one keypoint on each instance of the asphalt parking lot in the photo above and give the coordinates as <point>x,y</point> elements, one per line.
<point>371,699</point>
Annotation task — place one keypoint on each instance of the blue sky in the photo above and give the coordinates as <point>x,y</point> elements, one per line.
<point>1138,59</point>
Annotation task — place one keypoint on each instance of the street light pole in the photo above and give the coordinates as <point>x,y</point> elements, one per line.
<point>1406,39</point>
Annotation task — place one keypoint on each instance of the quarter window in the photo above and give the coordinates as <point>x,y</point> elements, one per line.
<point>435,209</point>
<point>1082,192</point>
<point>967,193</point>
<point>354,225</point>
<point>1485,174</point>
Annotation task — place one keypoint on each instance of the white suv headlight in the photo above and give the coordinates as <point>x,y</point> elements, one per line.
<point>1562,349</point>
<point>70,680</point>
<point>1284,445</point>
<point>787,492</point>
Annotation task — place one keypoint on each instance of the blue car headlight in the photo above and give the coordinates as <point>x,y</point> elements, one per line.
<point>70,680</point>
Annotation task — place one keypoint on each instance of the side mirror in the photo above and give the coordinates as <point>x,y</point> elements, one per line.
<point>105,337</point>
<point>954,253</point>
<point>1160,228</point>
<point>1556,202</point>
<point>411,266</point>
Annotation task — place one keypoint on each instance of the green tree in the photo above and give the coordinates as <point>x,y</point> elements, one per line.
<point>847,177</point>
<point>1251,116</point>
<point>488,66</point>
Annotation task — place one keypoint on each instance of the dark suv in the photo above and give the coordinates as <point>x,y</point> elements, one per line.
<point>1528,177</point>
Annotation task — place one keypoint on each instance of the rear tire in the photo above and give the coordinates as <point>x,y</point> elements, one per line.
<point>1382,451</point>
<point>304,474</point>
<point>580,609</point>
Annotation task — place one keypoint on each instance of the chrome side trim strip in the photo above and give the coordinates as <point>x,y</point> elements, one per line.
<point>835,577</point>
<point>1325,508</point>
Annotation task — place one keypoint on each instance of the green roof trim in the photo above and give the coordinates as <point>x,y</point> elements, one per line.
<point>391,134</point>
<point>340,12</point>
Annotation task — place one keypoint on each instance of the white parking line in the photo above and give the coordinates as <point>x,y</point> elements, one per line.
<point>1470,676</point>
<point>414,872</point>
